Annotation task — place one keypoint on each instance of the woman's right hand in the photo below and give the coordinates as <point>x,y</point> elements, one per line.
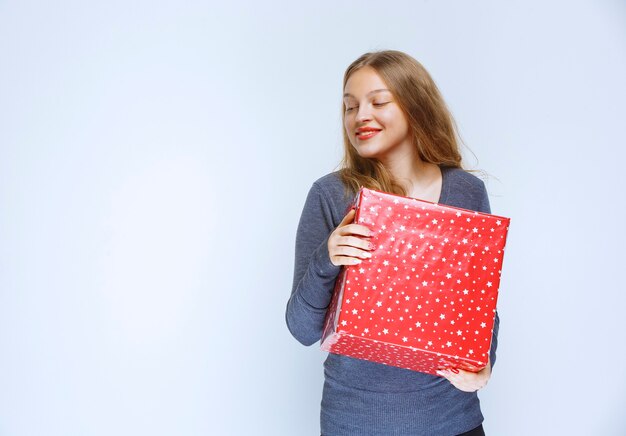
<point>349,243</point>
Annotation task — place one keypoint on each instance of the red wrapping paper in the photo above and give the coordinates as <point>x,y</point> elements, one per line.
<point>427,297</point>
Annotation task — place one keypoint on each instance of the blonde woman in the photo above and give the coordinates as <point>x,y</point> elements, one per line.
<point>399,137</point>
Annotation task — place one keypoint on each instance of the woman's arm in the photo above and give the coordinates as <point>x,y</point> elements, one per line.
<point>314,273</point>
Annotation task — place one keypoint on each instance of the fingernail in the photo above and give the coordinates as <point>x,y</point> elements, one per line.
<point>357,260</point>
<point>368,254</point>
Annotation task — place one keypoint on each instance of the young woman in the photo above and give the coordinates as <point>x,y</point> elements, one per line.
<point>399,137</point>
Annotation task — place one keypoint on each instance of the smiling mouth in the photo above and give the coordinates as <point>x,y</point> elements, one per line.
<point>367,134</point>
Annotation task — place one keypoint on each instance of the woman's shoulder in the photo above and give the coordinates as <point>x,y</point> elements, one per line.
<point>331,190</point>
<point>332,185</point>
<point>464,177</point>
<point>330,180</point>
<point>464,189</point>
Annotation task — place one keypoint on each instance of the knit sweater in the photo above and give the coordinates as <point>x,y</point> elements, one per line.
<point>362,397</point>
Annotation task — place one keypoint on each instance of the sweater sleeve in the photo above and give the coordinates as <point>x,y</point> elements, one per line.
<point>314,273</point>
<point>485,207</point>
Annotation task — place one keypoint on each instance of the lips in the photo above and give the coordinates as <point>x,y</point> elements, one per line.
<point>366,132</point>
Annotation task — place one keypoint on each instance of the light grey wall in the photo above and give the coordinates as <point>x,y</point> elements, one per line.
<point>154,160</point>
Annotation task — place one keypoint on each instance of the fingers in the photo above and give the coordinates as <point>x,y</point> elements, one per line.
<point>349,218</point>
<point>345,260</point>
<point>466,381</point>
<point>343,250</point>
<point>348,244</point>
<point>348,255</point>
<point>353,241</point>
<point>346,226</point>
<point>354,229</point>
<point>456,380</point>
<point>348,250</point>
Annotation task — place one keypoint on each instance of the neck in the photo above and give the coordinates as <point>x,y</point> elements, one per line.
<point>409,170</point>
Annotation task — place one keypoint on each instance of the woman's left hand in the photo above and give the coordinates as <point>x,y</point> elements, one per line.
<point>468,381</point>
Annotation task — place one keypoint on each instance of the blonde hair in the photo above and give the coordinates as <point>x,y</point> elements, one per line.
<point>432,126</point>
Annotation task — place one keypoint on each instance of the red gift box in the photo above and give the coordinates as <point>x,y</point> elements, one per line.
<point>426,299</point>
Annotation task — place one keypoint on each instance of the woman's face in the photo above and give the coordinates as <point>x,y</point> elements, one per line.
<point>375,124</point>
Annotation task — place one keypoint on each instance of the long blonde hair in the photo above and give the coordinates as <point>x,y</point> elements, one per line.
<point>431,124</point>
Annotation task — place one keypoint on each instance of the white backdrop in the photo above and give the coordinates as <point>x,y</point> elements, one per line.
<point>154,161</point>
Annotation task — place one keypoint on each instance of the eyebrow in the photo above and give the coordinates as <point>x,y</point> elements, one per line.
<point>347,94</point>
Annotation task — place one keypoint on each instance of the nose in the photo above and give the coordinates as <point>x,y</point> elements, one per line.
<point>364,114</point>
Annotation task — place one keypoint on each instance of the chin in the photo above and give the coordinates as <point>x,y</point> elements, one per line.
<point>367,154</point>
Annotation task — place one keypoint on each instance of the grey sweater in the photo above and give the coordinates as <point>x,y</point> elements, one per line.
<point>361,397</point>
